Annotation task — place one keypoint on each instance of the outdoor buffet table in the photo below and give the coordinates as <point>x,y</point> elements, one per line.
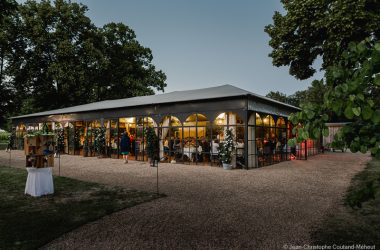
<point>39,181</point>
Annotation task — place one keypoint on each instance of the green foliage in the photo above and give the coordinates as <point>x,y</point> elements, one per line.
<point>309,29</point>
<point>60,139</point>
<point>227,147</point>
<point>351,88</point>
<point>366,186</point>
<point>345,33</point>
<point>4,136</point>
<point>53,56</point>
<point>338,142</point>
<point>311,95</point>
<point>7,10</point>
<point>359,221</point>
<point>276,95</point>
<point>100,140</point>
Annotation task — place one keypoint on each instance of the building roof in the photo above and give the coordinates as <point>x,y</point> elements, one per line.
<point>223,91</point>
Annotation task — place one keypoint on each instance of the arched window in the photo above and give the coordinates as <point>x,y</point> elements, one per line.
<point>221,119</point>
<point>169,138</point>
<point>171,121</point>
<point>280,136</point>
<point>281,123</point>
<point>259,121</point>
<point>268,121</point>
<point>190,120</point>
<point>195,132</point>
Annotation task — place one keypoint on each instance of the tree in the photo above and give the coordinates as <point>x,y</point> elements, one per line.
<point>278,96</point>
<point>311,95</point>
<point>51,65</point>
<point>128,69</point>
<point>345,33</point>
<point>353,90</point>
<point>7,7</point>
<point>324,28</point>
<point>57,58</point>
<point>7,10</point>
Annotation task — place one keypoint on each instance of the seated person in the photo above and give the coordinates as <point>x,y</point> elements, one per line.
<point>215,148</point>
<point>240,147</point>
<point>205,149</point>
<point>240,153</point>
<point>166,146</point>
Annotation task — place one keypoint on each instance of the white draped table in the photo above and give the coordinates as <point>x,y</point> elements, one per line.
<point>39,181</point>
<point>190,150</point>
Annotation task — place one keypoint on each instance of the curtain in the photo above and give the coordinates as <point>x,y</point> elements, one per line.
<point>164,133</point>
<point>232,123</point>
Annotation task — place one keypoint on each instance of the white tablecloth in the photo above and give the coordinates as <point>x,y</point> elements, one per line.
<point>190,150</point>
<point>39,181</point>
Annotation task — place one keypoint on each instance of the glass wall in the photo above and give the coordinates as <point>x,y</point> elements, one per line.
<point>170,139</point>
<point>128,125</point>
<point>195,141</point>
<point>139,139</point>
<point>196,137</point>
<point>281,140</point>
<point>113,139</point>
<point>20,133</point>
<point>89,137</point>
<point>78,137</point>
<point>267,140</point>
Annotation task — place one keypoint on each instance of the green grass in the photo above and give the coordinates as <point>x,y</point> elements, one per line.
<point>359,221</point>
<point>28,223</point>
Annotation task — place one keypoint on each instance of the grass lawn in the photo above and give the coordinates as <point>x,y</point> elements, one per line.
<point>359,221</point>
<point>27,222</point>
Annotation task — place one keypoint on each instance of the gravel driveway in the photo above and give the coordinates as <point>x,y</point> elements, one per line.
<point>209,208</point>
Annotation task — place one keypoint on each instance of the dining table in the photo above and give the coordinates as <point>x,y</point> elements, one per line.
<point>189,150</point>
<point>39,181</point>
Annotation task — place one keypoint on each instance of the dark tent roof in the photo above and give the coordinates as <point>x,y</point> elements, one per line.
<point>223,91</point>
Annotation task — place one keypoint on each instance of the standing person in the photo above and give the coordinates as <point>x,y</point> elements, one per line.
<point>125,146</point>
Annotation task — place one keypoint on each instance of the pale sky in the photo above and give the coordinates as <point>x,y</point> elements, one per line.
<point>204,43</point>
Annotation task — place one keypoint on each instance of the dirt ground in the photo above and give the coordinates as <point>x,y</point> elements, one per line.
<point>208,207</point>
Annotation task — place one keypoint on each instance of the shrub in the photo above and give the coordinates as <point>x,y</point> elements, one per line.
<point>4,136</point>
<point>152,146</point>
<point>366,186</point>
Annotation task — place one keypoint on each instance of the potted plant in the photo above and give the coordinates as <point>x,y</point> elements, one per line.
<point>225,150</point>
<point>100,141</point>
<point>60,141</point>
<point>152,145</point>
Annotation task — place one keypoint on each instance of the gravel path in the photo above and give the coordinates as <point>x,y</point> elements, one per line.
<point>209,208</point>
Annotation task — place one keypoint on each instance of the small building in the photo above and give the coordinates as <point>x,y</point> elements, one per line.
<point>333,128</point>
<point>189,124</point>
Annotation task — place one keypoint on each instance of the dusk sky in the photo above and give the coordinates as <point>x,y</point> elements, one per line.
<point>204,43</point>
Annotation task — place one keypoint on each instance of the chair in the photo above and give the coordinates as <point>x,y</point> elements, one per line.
<point>215,159</point>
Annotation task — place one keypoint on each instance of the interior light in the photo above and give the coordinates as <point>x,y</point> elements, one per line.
<point>130,120</point>
<point>221,116</point>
